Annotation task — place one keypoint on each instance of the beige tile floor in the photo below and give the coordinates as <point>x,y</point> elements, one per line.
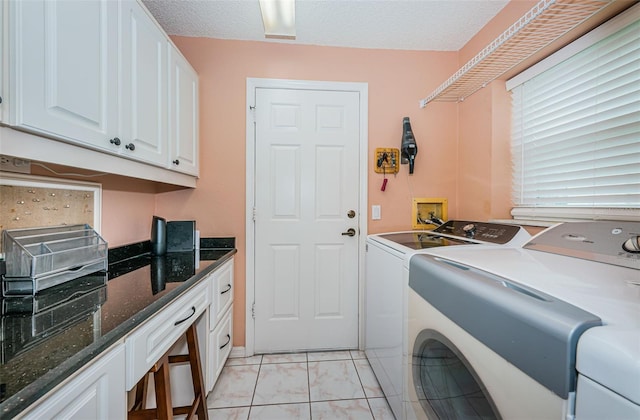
<point>301,386</point>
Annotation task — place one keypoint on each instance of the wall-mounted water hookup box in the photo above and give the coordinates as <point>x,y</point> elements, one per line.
<point>427,213</point>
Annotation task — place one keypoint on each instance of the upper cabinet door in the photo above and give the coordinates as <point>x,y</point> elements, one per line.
<point>144,90</point>
<point>64,62</point>
<point>183,111</point>
<point>3,60</point>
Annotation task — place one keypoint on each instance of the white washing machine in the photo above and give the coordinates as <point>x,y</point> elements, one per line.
<point>386,290</point>
<point>550,330</point>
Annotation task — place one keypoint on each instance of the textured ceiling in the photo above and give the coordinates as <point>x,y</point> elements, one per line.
<point>437,25</point>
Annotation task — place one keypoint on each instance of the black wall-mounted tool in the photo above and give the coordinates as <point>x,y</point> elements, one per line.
<point>409,148</point>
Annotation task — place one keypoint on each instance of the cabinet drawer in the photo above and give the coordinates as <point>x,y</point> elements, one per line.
<point>151,340</point>
<point>221,292</point>
<point>220,344</point>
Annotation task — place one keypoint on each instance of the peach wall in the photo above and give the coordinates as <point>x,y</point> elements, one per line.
<point>484,157</point>
<point>501,168</point>
<point>397,80</point>
<point>474,156</point>
<point>131,209</point>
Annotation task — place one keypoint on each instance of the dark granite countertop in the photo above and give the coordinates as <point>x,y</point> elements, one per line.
<point>46,338</point>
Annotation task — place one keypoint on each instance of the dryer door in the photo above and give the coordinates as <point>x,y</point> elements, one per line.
<point>446,385</point>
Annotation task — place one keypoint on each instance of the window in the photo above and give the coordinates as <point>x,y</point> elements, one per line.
<point>576,128</point>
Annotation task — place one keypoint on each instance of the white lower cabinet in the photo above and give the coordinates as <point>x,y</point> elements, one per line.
<point>221,292</point>
<point>215,340</point>
<point>100,390</point>
<point>180,374</point>
<point>220,322</point>
<point>220,344</point>
<point>154,338</point>
<point>97,392</point>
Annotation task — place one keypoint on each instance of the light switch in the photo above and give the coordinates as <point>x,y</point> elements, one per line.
<point>375,212</point>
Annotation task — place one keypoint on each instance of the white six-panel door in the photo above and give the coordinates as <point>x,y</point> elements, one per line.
<point>306,184</point>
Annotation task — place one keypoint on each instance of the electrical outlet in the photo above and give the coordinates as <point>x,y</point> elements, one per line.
<point>14,164</point>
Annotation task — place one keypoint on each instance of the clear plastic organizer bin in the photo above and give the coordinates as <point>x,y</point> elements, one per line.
<point>39,258</point>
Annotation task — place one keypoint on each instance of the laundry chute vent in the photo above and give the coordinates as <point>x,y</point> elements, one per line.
<point>547,21</point>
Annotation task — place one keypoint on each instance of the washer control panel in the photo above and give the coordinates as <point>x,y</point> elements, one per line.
<point>608,242</point>
<point>488,232</point>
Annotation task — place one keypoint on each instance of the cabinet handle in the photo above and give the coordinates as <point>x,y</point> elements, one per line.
<point>0,99</point>
<point>193,311</point>
<point>225,291</point>
<point>130,146</point>
<point>115,141</point>
<point>227,343</point>
<point>176,162</point>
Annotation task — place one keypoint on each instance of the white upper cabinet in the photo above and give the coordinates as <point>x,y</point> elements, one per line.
<point>144,90</point>
<point>3,60</point>
<point>64,64</point>
<point>183,111</point>
<point>103,75</point>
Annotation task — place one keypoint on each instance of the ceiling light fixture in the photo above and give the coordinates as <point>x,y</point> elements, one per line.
<point>279,18</point>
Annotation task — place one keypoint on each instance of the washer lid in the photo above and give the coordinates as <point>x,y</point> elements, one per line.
<point>611,357</point>
<point>610,242</point>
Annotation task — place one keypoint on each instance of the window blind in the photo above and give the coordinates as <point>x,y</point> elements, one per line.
<point>576,131</point>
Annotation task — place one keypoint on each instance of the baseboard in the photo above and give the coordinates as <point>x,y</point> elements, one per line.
<point>237,352</point>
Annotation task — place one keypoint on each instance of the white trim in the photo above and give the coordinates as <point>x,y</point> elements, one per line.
<point>525,222</point>
<point>21,180</point>
<point>237,352</point>
<point>601,32</point>
<point>564,214</point>
<point>252,85</point>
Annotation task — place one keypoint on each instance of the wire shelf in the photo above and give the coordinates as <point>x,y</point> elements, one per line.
<point>547,21</point>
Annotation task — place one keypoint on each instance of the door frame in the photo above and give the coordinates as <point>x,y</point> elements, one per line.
<point>363,90</point>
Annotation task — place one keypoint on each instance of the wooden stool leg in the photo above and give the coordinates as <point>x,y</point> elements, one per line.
<point>163,390</point>
<point>196,373</point>
<point>141,393</point>
<point>164,408</point>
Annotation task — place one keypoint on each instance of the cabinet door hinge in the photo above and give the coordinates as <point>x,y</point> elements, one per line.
<point>254,214</point>
<point>253,310</point>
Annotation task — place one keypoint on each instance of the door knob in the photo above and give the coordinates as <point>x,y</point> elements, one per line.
<point>349,232</point>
